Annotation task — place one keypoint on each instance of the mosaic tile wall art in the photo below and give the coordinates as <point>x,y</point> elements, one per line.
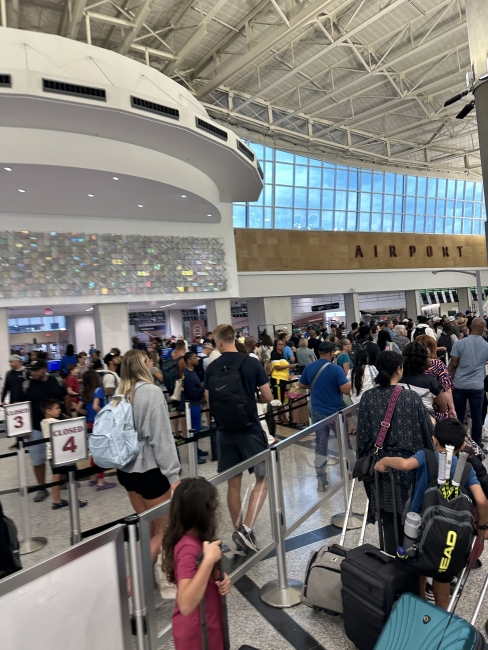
<point>45,264</point>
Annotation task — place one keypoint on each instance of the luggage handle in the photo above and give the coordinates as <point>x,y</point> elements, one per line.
<point>378,509</point>
<point>348,513</point>
<point>380,555</point>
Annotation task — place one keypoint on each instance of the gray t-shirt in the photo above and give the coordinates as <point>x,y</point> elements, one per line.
<point>472,353</point>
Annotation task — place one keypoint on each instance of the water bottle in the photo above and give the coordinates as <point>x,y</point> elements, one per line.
<point>413,522</point>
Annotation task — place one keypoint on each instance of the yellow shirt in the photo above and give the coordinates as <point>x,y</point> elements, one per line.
<point>280,370</point>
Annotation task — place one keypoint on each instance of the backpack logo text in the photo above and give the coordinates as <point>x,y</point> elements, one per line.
<point>450,544</point>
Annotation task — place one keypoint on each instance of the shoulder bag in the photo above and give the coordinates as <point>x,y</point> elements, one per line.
<point>317,374</point>
<point>364,467</point>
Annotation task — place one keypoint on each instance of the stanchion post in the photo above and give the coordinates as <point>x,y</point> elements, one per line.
<point>192,447</point>
<point>354,520</point>
<point>281,592</point>
<point>29,544</point>
<point>74,509</point>
<point>138,604</point>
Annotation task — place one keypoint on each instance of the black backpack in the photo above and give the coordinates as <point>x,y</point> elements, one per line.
<point>170,373</point>
<point>229,402</point>
<point>9,546</point>
<point>356,346</point>
<point>447,528</point>
<point>445,341</point>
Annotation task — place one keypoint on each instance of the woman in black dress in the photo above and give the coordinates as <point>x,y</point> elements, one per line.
<point>411,429</point>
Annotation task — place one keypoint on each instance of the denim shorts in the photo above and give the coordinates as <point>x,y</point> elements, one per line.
<point>37,453</point>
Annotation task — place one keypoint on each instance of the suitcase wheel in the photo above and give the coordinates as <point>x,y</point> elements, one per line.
<point>316,609</point>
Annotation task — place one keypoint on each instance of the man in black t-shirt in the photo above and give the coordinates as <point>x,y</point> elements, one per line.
<point>365,341</point>
<point>37,390</point>
<point>14,380</point>
<point>237,446</point>
<point>314,342</point>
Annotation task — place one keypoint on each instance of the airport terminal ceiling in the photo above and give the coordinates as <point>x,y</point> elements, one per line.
<point>358,81</point>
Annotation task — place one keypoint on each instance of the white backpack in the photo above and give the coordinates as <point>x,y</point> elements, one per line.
<point>114,441</point>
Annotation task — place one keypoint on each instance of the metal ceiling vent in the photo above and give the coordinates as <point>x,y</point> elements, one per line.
<point>5,81</point>
<point>245,150</point>
<point>210,128</point>
<point>152,107</point>
<point>75,90</point>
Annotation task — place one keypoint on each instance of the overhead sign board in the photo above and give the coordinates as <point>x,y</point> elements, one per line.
<point>327,307</point>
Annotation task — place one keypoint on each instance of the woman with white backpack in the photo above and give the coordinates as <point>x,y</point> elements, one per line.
<point>155,473</point>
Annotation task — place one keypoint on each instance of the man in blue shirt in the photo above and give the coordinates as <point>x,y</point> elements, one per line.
<point>287,350</point>
<point>328,384</point>
<point>467,367</point>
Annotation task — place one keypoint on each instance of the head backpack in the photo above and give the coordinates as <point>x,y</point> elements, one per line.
<point>229,402</point>
<point>447,526</point>
<point>114,441</point>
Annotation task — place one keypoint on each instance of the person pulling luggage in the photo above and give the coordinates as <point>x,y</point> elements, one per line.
<point>443,548</point>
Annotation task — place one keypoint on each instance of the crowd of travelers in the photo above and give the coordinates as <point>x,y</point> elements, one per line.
<point>227,380</point>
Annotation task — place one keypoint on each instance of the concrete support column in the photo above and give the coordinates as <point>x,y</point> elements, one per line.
<point>174,322</point>
<point>81,329</point>
<point>4,344</point>
<point>412,298</point>
<point>218,312</point>
<point>351,304</point>
<point>112,327</point>
<point>477,19</point>
<point>465,298</point>
<point>269,311</point>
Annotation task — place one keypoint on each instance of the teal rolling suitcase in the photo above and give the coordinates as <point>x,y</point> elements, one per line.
<point>416,624</point>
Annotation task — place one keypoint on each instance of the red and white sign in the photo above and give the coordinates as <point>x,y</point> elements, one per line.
<point>68,441</point>
<point>18,420</point>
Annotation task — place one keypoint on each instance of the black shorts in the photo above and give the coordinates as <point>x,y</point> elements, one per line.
<point>235,447</point>
<point>63,470</point>
<point>150,485</point>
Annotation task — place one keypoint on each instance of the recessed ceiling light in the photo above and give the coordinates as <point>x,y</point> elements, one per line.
<point>22,191</point>
<point>116,178</point>
<point>209,215</point>
<point>139,205</point>
<point>183,196</point>
<point>90,195</point>
<point>8,169</point>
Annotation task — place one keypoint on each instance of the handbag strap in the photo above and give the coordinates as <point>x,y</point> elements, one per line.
<point>318,373</point>
<point>385,425</point>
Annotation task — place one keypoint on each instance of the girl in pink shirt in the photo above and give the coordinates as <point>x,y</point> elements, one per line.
<point>191,528</point>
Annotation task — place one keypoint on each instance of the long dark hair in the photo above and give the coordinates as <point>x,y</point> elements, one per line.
<point>357,373</point>
<point>387,364</point>
<point>193,507</point>
<point>416,358</point>
<point>91,381</point>
<point>383,339</point>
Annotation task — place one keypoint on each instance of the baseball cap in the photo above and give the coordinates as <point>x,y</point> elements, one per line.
<point>14,357</point>
<point>436,319</point>
<point>37,364</point>
<point>451,319</point>
<point>468,311</point>
<point>422,319</point>
<point>326,347</point>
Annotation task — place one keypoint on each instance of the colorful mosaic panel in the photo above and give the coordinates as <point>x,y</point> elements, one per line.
<point>45,264</point>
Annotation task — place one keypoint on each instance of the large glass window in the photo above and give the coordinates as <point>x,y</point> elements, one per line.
<point>301,193</point>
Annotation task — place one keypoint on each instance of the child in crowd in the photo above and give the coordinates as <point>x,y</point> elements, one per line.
<point>72,384</point>
<point>192,528</point>
<point>93,402</point>
<point>447,432</point>
<point>52,413</point>
<point>192,391</point>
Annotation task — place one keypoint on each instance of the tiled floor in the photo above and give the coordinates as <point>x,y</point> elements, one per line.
<point>251,622</point>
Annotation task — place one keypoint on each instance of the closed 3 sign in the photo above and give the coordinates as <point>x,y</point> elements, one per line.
<point>18,421</point>
<point>68,440</point>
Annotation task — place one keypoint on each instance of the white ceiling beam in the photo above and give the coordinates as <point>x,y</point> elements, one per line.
<point>328,48</point>
<point>375,71</point>
<point>76,18</point>
<point>194,39</point>
<point>230,38</point>
<point>269,41</point>
<point>151,50</point>
<point>105,18</point>
<point>139,19</point>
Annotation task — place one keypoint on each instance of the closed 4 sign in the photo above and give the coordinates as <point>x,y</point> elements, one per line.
<point>68,439</point>
<point>18,419</point>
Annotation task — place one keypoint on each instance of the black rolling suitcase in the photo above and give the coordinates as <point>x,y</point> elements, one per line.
<point>225,623</point>
<point>372,581</point>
